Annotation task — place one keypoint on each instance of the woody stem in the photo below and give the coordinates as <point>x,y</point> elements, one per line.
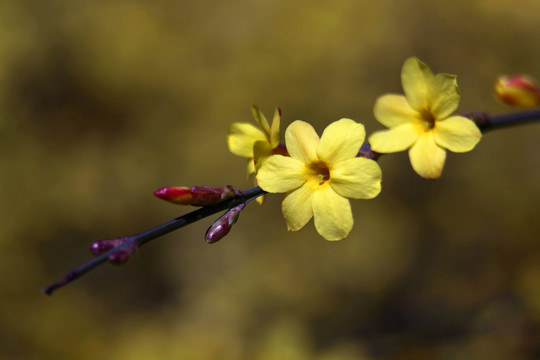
<point>155,232</point>
<point>486,122</point>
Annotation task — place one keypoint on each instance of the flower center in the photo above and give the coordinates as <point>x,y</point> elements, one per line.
<point>428,118</point>
<point>319,172</point>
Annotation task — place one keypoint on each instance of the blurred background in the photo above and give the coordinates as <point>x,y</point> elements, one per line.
<point>103,102</point>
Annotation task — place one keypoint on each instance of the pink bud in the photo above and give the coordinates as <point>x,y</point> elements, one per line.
<point>208,195</point>
<point>175,194</point>
<point>223,225</point>
<point>196,195</point>
<point>517,91</point>
<point>99,247</point>
<point>118,257</point>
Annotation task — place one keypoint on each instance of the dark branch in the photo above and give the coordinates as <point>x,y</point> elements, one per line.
<point>486,122</point>
<point>160,230</point>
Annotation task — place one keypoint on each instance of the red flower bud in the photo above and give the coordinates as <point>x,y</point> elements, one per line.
<point>175,194</point>
<point>223,225</point>
<point>517,91</point>
<point>196,195</point>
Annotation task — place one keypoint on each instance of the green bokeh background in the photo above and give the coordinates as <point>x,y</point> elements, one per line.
<point>102,102</point>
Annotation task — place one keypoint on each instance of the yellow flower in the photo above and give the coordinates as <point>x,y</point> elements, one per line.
<point>245,137</point>
<point>421,120</point>
<point>320,175</point>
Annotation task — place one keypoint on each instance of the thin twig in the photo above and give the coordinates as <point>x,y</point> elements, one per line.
<point>486,122</point>
<point>155,232</point>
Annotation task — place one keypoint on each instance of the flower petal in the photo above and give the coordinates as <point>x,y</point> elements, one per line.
<point>427,158</point>
<point>356,178</point>
<point>261,120</point>
<point>261,199</point>
<point>457,134</point>
<point>341,140</point>
<point>396,139</point>
<point>332,212</point>
<point>274,130</point>
<point>302,141</point>
<point>241,138</point>
<point>250,167</point>
<point>296,208</point>
<point>261,151</point>
<point>279,174</point>
<point>443,96</point>
<point>416,79</point>
<point>393,110</point>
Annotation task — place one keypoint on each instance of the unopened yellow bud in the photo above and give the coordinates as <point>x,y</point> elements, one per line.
<point>517,91</point>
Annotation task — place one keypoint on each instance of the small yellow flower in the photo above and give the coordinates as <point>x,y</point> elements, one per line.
<point>246,140</point>
<point>421,120</point>
<point>320,175</point>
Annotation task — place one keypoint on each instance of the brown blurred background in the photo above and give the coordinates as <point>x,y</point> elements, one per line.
<point>102,102</point>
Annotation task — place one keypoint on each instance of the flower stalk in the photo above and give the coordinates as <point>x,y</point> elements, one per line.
<point>486,123</point>
<point>120,250</point>
<point>142,238</point>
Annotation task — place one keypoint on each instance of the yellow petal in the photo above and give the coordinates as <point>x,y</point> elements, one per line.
<point>394,110</point>
<point>341,140</point>
<point>457,134</point>
<point>296,208</point>
<point>443,96</point>
<point>356,178</point>
<point>274,130</point>
<point>279,174</point>
<point>396,139</point>
<point>261,120</point>
<point>332,213</point>
<point>250,167</point>
<point>241,138</point>
<point>260,200</point>
<point>416,79</point>
<point>427,158</point>
<point>261,151</point>
<point>302,141</point>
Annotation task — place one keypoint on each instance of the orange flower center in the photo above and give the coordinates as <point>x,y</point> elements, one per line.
<point>428,118</point>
